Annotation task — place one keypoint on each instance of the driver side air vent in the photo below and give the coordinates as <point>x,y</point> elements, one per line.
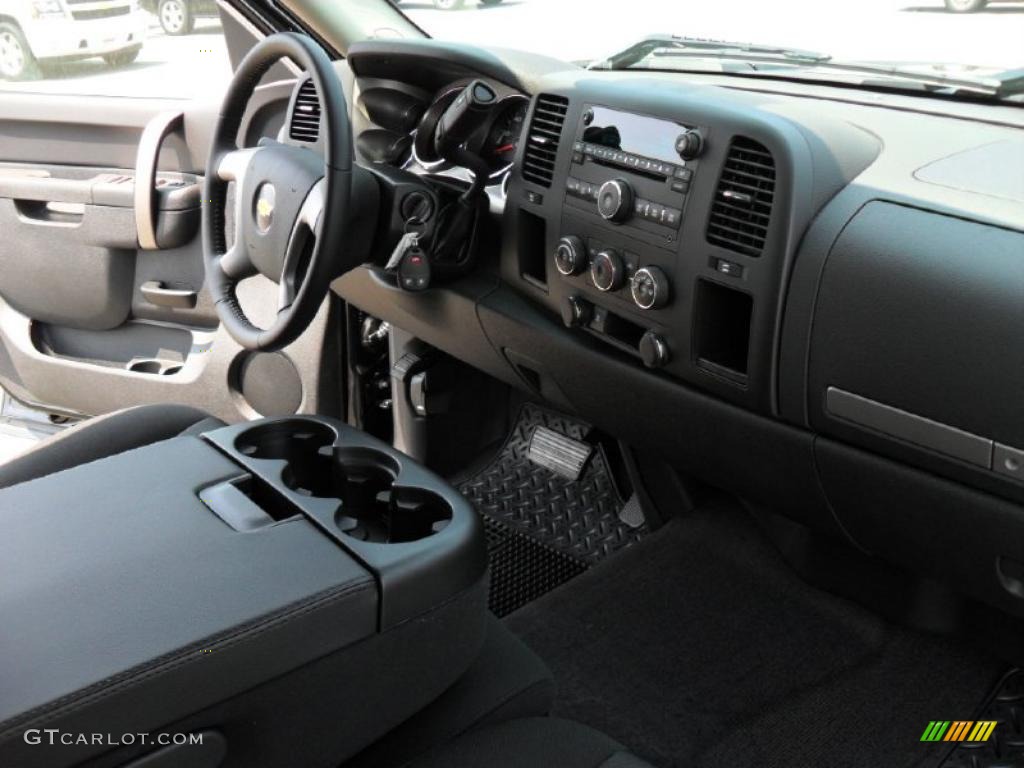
<point>743,201</point>
<point>305,124</point>
<point>543,137</point>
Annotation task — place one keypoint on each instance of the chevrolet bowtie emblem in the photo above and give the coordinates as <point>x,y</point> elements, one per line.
<point>265,198</point>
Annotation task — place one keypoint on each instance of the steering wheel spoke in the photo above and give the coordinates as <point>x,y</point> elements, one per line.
<point>301,242</point>
<point>236,264</point>
<point>232,164</point>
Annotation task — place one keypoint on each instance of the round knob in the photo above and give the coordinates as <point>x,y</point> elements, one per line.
<point>615,200</point>
<point>570,255</point>
<point>650,288</point>
<point>607,271</point>
<point>690,144</point>
<point>654,350</point>
<point>576,312</point>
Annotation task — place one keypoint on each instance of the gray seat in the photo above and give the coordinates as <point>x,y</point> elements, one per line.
<point>105,436</point>
<point>530,743</point>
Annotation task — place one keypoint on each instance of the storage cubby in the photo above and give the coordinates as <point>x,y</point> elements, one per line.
<point>722,329</point>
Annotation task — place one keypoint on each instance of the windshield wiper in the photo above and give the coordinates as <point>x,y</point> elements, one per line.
<point>708,48</point>
<point>1001,85</point>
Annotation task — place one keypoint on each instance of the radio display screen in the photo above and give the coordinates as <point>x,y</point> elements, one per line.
<point>633,134</point>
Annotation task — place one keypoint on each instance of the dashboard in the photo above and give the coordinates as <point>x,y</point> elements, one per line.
<point>811,298</point>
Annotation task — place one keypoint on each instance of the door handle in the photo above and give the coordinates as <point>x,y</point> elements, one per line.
<point>158,129</point>
<point>177,298</point>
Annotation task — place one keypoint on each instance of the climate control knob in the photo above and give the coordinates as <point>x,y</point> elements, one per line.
<point>570,255</point>
<point>615,200</point>
<point>650,288</point>
<point>607,271</point>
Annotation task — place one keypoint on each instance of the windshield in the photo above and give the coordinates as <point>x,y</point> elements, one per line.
<point>904,44</point>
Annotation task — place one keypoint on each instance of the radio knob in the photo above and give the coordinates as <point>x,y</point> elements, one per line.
<point>690,144</point>
<point>650,288</point>
<point>570,255</point>
<point>653,350</point>
<point>607,271</point>
<point>615,200</point>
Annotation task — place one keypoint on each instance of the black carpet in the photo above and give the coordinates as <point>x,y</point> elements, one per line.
<point>698,647</point>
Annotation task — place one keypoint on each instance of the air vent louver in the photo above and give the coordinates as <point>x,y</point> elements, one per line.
<point>305,125</point>
<point>543,137</point>
<point>743,201</point>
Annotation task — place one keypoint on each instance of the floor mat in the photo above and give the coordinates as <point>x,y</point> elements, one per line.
<point>699,647</point>
<point>523,569</point>
<point>543,528</point>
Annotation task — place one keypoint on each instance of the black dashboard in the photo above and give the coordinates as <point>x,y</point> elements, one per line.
<point>814,301</point>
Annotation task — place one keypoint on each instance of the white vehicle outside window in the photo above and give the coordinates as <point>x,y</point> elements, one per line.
<point>41,32</point>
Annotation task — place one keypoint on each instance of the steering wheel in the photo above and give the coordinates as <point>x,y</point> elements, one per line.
<point>291,203</point>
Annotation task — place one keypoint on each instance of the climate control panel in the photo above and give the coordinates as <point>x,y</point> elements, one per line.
<point>612,271</point>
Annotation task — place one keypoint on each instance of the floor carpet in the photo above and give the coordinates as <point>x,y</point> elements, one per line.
<point>699,647</point>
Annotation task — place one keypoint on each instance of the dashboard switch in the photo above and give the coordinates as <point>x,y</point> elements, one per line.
<point>570,255</point>
<point>650,288</point>
<point>607,271</point>
<point>654,350</point>
<point>729,268</point>
<point>576,312</point>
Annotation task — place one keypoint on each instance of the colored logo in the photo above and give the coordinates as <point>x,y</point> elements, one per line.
<point>266,197</point>
<point>959,730</point>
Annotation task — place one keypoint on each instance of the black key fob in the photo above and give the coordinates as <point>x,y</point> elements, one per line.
<point>414,270</point>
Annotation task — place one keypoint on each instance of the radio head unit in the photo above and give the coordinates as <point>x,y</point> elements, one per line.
<point>644,137</point>
<point>633,169</point>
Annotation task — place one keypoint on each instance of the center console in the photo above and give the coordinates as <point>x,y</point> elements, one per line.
<point>662,222</point>
<point>286,576</point>
<point>626,193</point>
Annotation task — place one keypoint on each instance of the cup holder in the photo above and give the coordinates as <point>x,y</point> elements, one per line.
<point>297,442</point>
<point>362,479</point>
<point>372,509</point>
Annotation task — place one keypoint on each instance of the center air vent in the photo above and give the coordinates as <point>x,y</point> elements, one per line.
<point>743,201</point>
<point>543,137</point>
<point>305,125</point>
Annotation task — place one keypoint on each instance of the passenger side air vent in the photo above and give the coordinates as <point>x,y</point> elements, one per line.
<point>742,207</point>
<point>543,137</point>
<point>305,125</point>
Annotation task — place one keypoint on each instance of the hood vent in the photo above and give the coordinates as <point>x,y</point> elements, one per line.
<point>743,201</point>
<point>543,137</point>
<point>305,124</point>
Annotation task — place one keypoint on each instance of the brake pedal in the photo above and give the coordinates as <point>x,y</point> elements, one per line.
<point>559,454</point>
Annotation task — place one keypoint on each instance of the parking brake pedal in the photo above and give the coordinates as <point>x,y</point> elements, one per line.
<point>560,454</point>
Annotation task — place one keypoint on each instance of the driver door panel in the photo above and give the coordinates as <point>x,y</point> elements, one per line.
<point>89,321</point>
